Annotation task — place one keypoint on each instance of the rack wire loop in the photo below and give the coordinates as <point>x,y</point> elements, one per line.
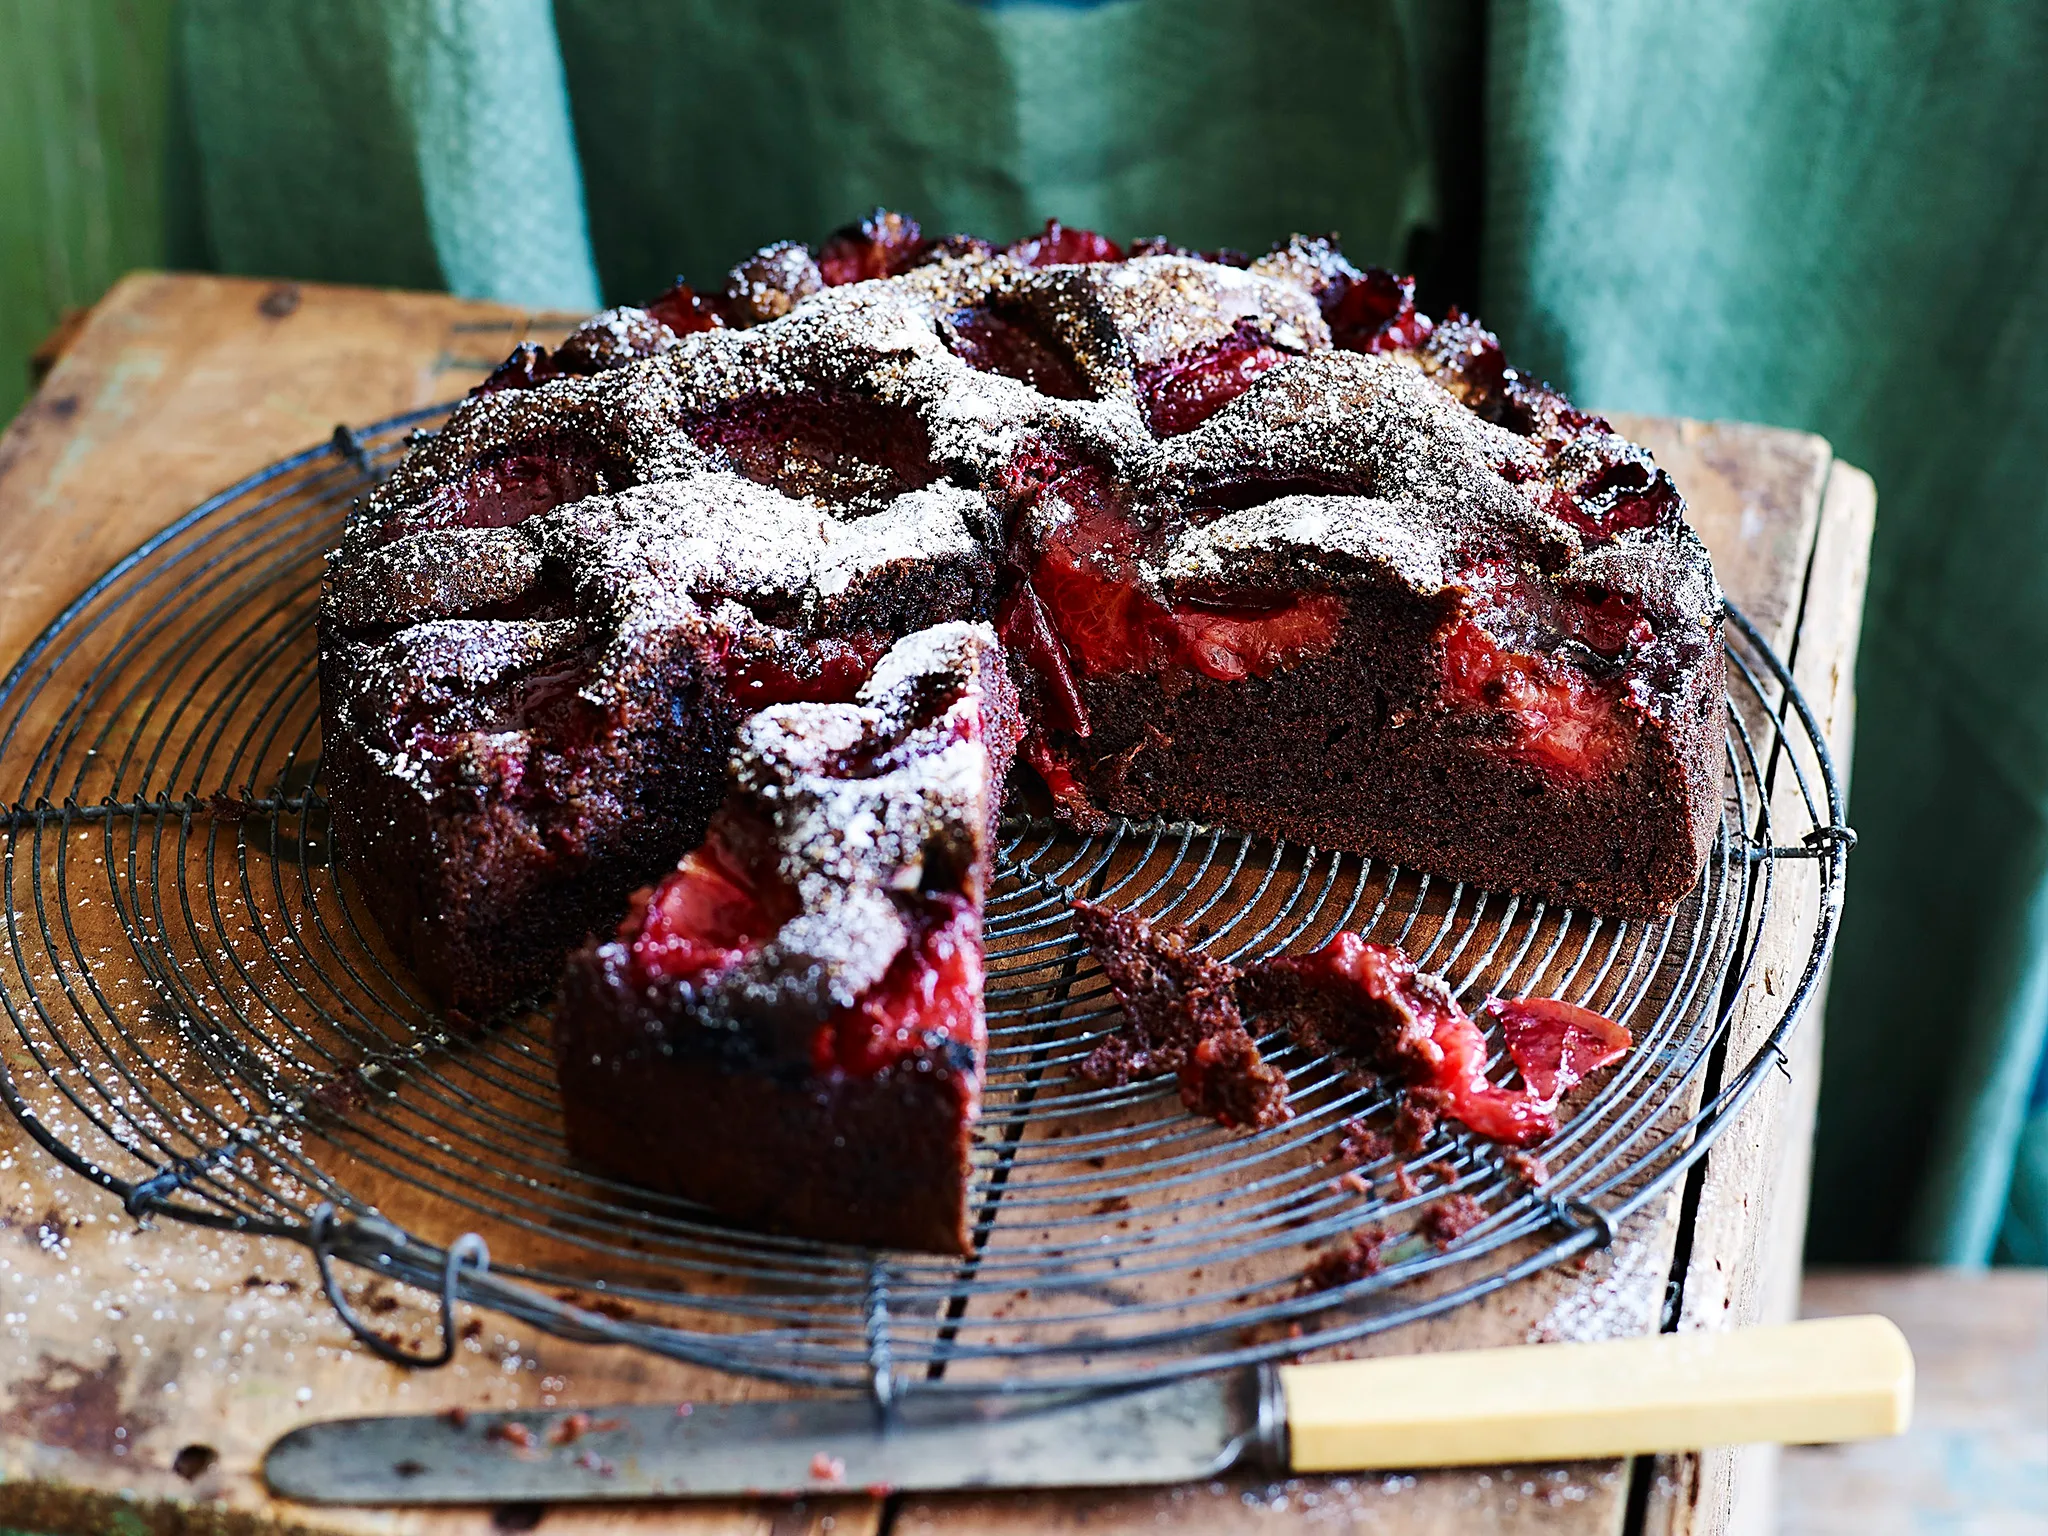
<point>1584,1216</point>
<point>468,1249</point>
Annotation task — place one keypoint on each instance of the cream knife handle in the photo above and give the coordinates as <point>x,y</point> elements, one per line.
<point>1839,1378</point>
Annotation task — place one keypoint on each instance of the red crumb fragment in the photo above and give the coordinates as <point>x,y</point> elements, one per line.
<point>512,1432</point>
<point>1405,1186</point>
<point>1450,1219</point>
<point>457,1416</point>
<point>603,1306</point>
<point>570,1429</point>
<point>1528,1167</point>
<point>1414,1124</point>
<point>341,1095</point>
<point>1358,1143</point>
<point>590,1461</point>
<point>684,1410</point>
<point>1352,1260</point>
<point>1354,1181</point>
<point>1226,1079</point>
<point>1180,1016</point>
<point>826,1468</point>
<point>1112,1205</point>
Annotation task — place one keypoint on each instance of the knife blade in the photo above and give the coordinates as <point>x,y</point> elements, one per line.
<point>1812,1382</point>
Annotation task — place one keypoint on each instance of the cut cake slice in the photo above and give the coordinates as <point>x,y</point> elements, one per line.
<point>788,1029</point>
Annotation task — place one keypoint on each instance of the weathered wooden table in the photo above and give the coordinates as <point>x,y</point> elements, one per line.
<point>143,1372</point>
<point>1976,1456</point>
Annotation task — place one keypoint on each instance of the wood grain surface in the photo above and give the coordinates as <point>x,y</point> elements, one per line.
<point>1976,1457</point>
<point>145,1370</point>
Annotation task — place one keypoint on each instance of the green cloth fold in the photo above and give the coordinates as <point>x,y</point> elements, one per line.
<point>416,143</point>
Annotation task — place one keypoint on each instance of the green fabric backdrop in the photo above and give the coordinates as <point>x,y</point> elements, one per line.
<point>1828,217</point>
<point>83,126</point>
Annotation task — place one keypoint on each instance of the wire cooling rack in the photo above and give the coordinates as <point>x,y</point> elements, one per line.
<point>205,1021</point>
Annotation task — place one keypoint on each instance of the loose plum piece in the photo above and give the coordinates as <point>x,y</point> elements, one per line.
<point>1367,1003</point>
<point>1556,1045</point>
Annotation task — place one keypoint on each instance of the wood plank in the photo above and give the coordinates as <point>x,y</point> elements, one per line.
<point>121,1347</point>
<point>1750,1216</point>
<point>177,387</point>
<point>1976,1456</point>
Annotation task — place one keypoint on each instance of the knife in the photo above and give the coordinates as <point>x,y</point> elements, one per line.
<point>1808,1383</point>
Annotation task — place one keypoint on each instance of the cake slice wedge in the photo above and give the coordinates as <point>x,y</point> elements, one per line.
<point>788,1028</point>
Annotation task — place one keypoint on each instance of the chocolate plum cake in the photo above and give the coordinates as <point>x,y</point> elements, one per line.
<point>788,1028</point>
<point>1261,545</point>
